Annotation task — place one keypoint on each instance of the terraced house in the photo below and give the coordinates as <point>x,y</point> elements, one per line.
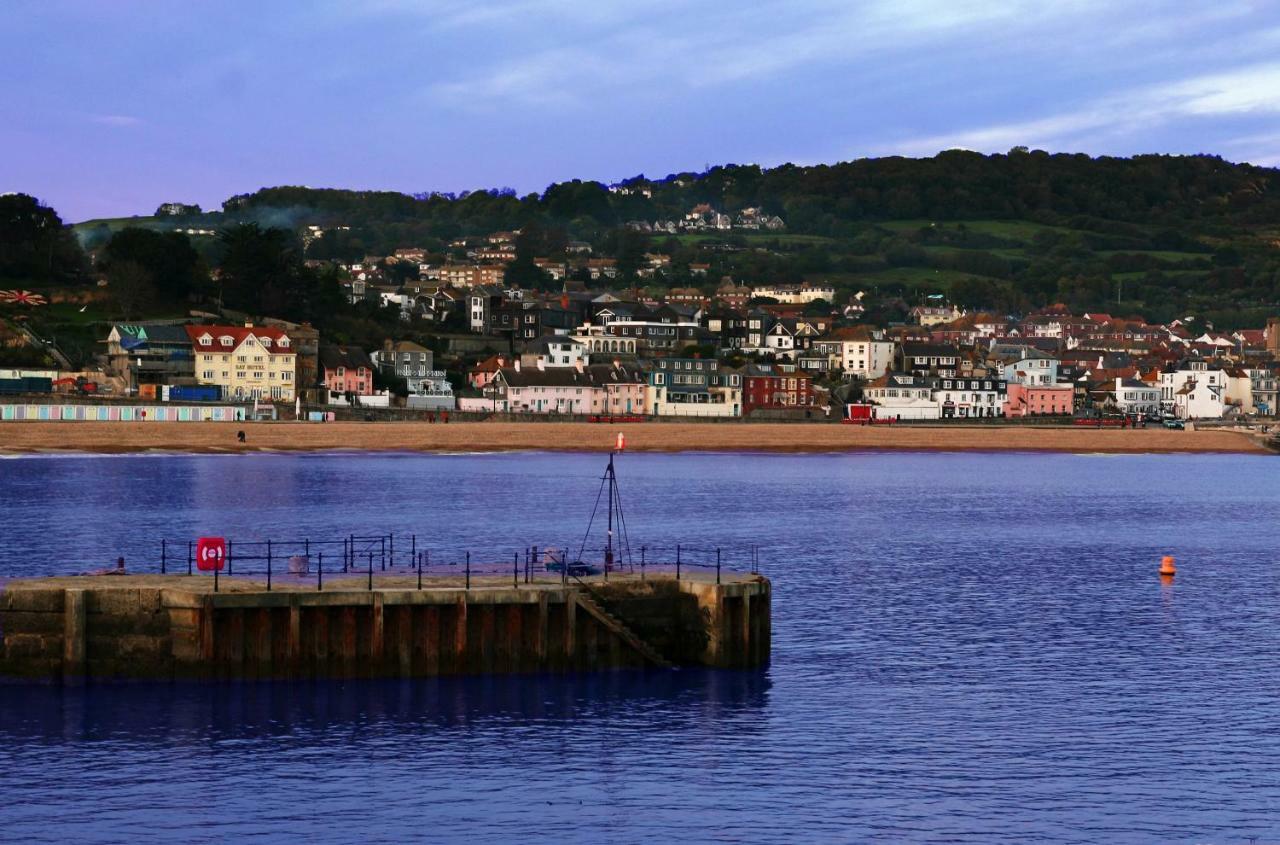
<point>247,362</point>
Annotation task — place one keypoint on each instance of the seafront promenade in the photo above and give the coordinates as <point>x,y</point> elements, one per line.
<point>214,437</point>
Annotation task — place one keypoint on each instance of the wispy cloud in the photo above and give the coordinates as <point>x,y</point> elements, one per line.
<point>610,47</point>
<point>1252,90</point>
<point>116,120</point>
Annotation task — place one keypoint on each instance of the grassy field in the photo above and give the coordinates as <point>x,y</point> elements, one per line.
<point>1163,255</point>
<point>751,238</point>
<point>1019,230</point>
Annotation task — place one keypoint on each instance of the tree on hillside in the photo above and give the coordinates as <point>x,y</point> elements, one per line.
<point>168,258</point>
<point>261,271</point>
<point>258,266</point>
<point>35,245</point>
<point>130,286</point>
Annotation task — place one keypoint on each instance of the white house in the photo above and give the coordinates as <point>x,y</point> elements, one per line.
<point>554,351</point>
<point>1033,370</point>
<point>903,397</point>
<point>796,294</point>
<point>1137,397</point>
<point>780,340</point>
<point>857,351</point>
<point>1199,390</point>
<point>969,396</point>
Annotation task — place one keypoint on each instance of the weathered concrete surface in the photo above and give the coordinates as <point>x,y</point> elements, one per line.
<point>175,627</point>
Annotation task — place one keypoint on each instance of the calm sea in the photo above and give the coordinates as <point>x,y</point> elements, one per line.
<point>967,648</point>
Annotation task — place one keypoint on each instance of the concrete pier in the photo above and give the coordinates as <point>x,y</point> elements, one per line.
<point>161,627</point>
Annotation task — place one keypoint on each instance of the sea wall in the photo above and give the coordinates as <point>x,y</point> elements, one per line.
<point>103,631</point>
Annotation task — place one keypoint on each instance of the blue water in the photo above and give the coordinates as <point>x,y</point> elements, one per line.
<point>967,648</point>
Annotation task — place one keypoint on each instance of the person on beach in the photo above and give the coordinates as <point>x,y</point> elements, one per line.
<point>240,435</point>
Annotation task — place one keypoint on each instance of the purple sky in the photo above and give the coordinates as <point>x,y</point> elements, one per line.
<point>110,108</point>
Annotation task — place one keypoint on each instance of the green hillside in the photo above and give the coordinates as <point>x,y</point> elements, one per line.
<point>1155,236</point>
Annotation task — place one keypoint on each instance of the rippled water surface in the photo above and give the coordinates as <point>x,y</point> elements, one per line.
<point>968,648</point>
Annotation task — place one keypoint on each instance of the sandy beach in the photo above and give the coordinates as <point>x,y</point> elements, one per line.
<point>124,437</point>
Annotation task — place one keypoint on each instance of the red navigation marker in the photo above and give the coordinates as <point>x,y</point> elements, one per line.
<point>211,554</point>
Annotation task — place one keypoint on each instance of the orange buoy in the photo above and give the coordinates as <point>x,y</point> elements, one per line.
<point>1167,569</point>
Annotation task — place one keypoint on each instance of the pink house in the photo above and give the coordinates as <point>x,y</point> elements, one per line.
<point>1025,400</point>
<point>481,374</point>
<point>346,369</point>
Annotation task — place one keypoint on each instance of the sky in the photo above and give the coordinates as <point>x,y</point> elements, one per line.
<point>111,107</point>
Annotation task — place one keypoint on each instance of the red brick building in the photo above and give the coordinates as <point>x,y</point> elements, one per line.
<point>775,388</point>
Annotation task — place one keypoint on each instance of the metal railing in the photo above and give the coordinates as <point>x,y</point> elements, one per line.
<point>397,560</point>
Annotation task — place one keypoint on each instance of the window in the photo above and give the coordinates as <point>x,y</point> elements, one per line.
<point>208,375</point>
<point>226,340</point>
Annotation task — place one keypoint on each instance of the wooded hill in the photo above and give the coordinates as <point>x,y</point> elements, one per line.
<point>1150,235</point>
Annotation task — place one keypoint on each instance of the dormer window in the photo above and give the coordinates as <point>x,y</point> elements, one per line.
<point>266,341</point>
<point>206,339</point>
<point>226,340</point>
<point>283,342</point>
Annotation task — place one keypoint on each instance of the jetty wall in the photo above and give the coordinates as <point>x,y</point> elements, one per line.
<point>100,629</point>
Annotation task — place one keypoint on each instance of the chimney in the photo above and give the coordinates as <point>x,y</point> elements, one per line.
<point>542,364</point>
<point>516,363</point>
<point>578,365</point>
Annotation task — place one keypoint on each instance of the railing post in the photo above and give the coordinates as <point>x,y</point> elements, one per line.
<point>468,570</point>
<point>382,553</point>
<point>306,547</point>
<point>215,582</point>
<point>320,572</point>
<point>515,570</point>
<point>419,558</point>
<point>268,566</point>
<point>677,561</point>
<point>162,556</point>
<point>228,557</point>
<point>642,563</point>
<point>370,570</point>
<point>189,557</point>
<point>717,565</point>
<point>413,546</point>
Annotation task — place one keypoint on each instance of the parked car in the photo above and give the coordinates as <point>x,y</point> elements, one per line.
<point>1174,423</point>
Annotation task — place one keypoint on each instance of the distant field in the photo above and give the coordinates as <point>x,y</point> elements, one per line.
<point>1163,255</point>
<point>916,277</point>
<point>722,237</point>
<point>1020,230</point>
<point>116,223</point>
